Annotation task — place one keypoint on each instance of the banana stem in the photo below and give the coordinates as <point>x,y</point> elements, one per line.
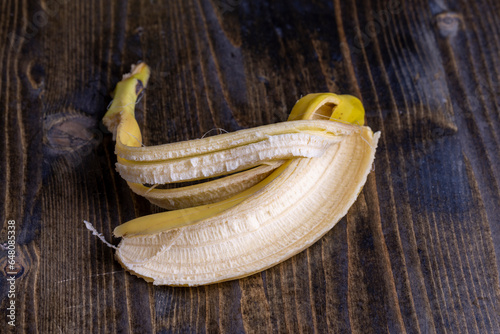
<point>120,117</point>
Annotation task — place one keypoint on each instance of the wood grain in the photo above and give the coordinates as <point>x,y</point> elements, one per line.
<point>417,253</point>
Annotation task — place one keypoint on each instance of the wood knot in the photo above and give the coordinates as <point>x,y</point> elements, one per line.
<point>16,269</point>
<point>35,74</point>
<point>72,136</point>
<point>69,133</point>
<point>448,23</point>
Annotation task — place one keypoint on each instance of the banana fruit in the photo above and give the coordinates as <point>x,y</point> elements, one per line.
<point>280,188</point>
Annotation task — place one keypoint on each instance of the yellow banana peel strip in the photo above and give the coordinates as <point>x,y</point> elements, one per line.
<point>261,225</point>
<point>277,147</point>
<point>230,140</point>
<point>210,192</point>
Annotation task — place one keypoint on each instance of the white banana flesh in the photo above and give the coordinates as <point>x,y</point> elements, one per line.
<point>303,203</point>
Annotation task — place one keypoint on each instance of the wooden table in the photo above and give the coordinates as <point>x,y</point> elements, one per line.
<point>417,253</point>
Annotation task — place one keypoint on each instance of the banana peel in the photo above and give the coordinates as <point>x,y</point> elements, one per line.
<point>295,180</point>
<point>210,192</point>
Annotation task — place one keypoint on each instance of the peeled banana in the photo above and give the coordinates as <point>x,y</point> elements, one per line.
<point>280,188</point>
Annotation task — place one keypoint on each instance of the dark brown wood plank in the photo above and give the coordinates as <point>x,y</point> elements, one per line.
<point>21,157</point>
<point>417,253</point>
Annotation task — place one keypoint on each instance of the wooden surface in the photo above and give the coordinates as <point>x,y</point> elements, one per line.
<point>417,253</point>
